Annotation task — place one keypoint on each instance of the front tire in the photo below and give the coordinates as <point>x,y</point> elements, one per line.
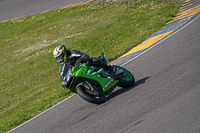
<point>81,90</point>
<point>126,81</point>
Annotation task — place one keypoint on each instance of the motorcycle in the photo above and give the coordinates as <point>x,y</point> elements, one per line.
<point>93,83</point>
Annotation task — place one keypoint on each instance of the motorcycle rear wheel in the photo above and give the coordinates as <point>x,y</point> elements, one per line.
<point>125,81</point>
<point>81,90</point>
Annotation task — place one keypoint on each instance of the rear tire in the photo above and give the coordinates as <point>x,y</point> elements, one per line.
<point>90,98</point>
<point>126,81</point>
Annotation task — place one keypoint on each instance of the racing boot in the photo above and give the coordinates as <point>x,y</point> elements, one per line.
<point>112,69</point>
<point>115,71</point>
<point>119,72</point>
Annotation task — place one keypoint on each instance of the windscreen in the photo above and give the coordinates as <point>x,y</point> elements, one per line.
<point>65,71</point>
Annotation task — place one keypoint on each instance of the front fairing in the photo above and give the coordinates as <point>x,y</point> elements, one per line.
<point>65,73</point>
<point>72,77</point>
<point>91,72</point>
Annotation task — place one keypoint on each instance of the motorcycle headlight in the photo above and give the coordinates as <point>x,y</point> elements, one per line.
<point>64,84</point>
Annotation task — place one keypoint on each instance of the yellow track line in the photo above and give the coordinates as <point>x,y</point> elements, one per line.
<point>187,1</point>
<point>77,4</point>
<point>147,43</point>
<point>186,13</point>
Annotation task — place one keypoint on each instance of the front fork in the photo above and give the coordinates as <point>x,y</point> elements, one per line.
<point>92,90</point>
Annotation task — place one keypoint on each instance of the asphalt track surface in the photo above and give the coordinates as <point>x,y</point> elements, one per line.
<point>10,9</point>
<point>165,98</point>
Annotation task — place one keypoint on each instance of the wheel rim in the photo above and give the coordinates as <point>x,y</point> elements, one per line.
<point>94,92</point>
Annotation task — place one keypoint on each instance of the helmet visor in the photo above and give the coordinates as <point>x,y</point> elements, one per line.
<point>60,58</point>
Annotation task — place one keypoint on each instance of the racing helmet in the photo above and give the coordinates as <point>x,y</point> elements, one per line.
<point>59,53</point>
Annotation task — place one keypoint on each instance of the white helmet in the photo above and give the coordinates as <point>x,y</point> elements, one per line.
<point>59,53</point>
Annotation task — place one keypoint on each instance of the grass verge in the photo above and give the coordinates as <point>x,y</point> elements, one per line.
<point>29,77</point>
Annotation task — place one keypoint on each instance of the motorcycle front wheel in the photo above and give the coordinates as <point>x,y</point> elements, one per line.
<point>91,97</point>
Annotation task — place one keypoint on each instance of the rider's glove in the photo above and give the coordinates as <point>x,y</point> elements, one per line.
<point>78,62</point>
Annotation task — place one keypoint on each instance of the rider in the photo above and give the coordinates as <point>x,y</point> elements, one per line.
<point>76,57</point>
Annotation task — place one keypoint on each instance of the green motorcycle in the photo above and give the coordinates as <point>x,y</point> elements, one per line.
<point>93,83</point>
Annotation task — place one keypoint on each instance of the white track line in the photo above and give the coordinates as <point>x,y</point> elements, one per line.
<point>40,114</point>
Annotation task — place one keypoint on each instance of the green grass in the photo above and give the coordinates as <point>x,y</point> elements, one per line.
<point>29,77</point>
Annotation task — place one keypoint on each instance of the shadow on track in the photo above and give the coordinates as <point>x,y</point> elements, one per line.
<point>123,90</point>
